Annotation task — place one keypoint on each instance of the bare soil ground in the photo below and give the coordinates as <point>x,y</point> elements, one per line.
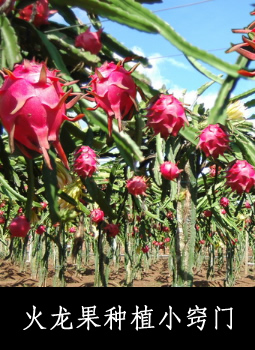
<point>157,275</point>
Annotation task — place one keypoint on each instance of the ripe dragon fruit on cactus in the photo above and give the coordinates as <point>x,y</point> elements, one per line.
<point>213,141</point>
<point>40,229</point>
<point>85,162</point>
<point>112,230</point>
<point>213,169</point>
<point>37,13</point>
<point>145,249</point>
<point>169,170</point>
<point>32,109</point>
<point>240,176</point>
<point>207,213</point>
<point>114,91</point>
<point>19,226</point>
<point>137,186</point>
<point>224,202</point>
<point>97,215</point>
<point>247,205</point>
<point>166,116</point>
<point>89,41</point>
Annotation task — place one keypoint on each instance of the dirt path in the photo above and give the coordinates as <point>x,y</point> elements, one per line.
<point>156,276</point>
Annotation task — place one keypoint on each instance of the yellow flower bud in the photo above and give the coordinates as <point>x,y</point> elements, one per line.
<point>236,111</point>
<point>74,190</point>
<point>63,176</point>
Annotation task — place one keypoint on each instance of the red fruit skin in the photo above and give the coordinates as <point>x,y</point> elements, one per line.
<point>44,205</point>
<point>19,226</point>
<point>2,220</point>
<point>8,7</point>
<point>89,41</point>
<point>42,13</point>
<point>212,172</point>
<point>207,213</point>
<point>169,170</point>
<point>170,215</point>
<point>145,249</point>
<point>247,205</point>
<point>213,141</point>
<point>72,229</point>
<point>166,116</point>
<point>97,215</point>
<point>224,202</point>
<point>32,109</point>
<point>112,230</point>
<point>114,91</point>
<point>136,186</point>
<point>40,229</point>
<point>85,163</point>
<point>240,177</point>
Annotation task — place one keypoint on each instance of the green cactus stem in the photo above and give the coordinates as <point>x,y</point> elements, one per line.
<point>186,233</point>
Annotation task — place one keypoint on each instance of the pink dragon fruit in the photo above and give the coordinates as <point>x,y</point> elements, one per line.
<point>2,220</point>
<point>37,13</point>
<point>145,249</point>
<point>212,172</point>
<point>97,215</point>
<point>112,230</point>
<point>169,170</point>
<point>114,91</point>
<point>72,229</point>
<point>207,213</point>
<point>247,205</point>
<point>40,229</point>
<point>32,109</point>
<point>213,141</point>
<point>240,177</point>
<point>137,185</point>
<point>19,226</point>
<point>85,163</point>
<point>224,202</point>
<point>44,205</point>
<point>89,41</point>
<point>166,116</point>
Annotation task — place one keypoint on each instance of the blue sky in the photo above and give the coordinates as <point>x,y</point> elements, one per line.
<point>206,25</point>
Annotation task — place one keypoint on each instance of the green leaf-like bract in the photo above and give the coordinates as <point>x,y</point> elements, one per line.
<point>9,44</point>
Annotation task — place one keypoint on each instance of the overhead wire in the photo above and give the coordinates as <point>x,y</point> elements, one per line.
<point>160,10</point>
<point>155,11</point>
<point>179,6</point>
<point>181,54</point>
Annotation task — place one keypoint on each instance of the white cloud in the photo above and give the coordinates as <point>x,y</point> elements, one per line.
<point>158,80</point>
<point>176,63</point>
<point>153,73</point>
<point>190,97</point>
<point>208,100</point>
